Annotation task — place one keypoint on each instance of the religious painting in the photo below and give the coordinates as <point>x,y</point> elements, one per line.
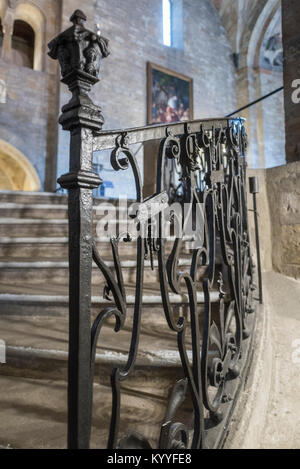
<point>271,55</point>
<point>170,96</point>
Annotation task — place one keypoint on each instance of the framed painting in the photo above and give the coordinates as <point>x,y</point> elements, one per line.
<point>169,96</point>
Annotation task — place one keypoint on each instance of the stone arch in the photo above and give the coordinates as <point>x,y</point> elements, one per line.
<point>268,147</point>
<point>259,30</point>
<point>32,15</point>
<point>16,171</point>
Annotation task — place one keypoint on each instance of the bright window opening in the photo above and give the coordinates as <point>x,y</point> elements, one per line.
<point>167,22</point>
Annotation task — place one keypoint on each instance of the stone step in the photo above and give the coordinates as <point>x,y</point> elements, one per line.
<point>52,211</point>
<point>40,211</point>
<point>57,271</point>
<point>34,388</point>
<point>44,339</point>
<point>31,228</point>
<point>34,304</point>
<point>39,248</point>
<point>18,227</point>
<point>53,198</point>
<point>57,227</point>
<point>34,411</point>
<point>38,227</point>
<point>21,197</point>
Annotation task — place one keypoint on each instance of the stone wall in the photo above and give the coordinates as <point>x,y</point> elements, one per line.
<point>278,205</point>
<point>283,191</point>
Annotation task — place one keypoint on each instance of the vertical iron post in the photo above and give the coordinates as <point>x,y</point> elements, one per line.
<point>79,51</point>
<point>254,189</point>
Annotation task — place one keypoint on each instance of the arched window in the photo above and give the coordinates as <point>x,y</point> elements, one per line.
<point>22,44</point>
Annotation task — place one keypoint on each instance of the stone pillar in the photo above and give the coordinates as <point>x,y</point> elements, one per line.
<point>243,98</point>
<point>8,28</point>
<point>79,52</point>
<point>291,76</point>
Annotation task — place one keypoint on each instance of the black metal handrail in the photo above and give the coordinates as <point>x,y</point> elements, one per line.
<point>214,287</point>
<point>105,140</point>
<point>255,102</point>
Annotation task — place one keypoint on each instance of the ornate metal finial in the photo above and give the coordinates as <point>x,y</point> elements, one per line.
<point>77,48</point>
<point>79,52</point>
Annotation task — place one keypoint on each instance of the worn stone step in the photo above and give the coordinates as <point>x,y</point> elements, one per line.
<point>55,198</point>
<point>22,197</point>
<point>34,304</point>
<point>39,211</point>
<point>45,339</point>
<point>34,411</point>
<point>58,227</point>
<point>37,227</point>
<point>18,227</point>
<point>39,248</point>
<point>57,271</point>
<point>49,248</point>
<point>36,366</point>
<point>53,211</point>
<point>31,228</point>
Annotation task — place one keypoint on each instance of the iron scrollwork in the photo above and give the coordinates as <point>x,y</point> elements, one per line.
<point>219,154</point>
<point>217,281</point>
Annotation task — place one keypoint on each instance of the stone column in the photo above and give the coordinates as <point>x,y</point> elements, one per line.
<point>291,76</point>
<point>243,98</point>
<point>8,28</point>
<point>79,52</point>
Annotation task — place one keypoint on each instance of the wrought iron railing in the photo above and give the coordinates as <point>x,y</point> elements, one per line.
<point>216,286</point>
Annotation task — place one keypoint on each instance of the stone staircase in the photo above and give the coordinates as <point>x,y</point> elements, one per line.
<point>34,326</point>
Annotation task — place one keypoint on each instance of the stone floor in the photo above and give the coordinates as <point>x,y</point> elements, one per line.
<point>33,411</point>
<point>268,413</point>
<point>282,424</point>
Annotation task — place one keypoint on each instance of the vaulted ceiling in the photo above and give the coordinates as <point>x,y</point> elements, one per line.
<point>243,19</point>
